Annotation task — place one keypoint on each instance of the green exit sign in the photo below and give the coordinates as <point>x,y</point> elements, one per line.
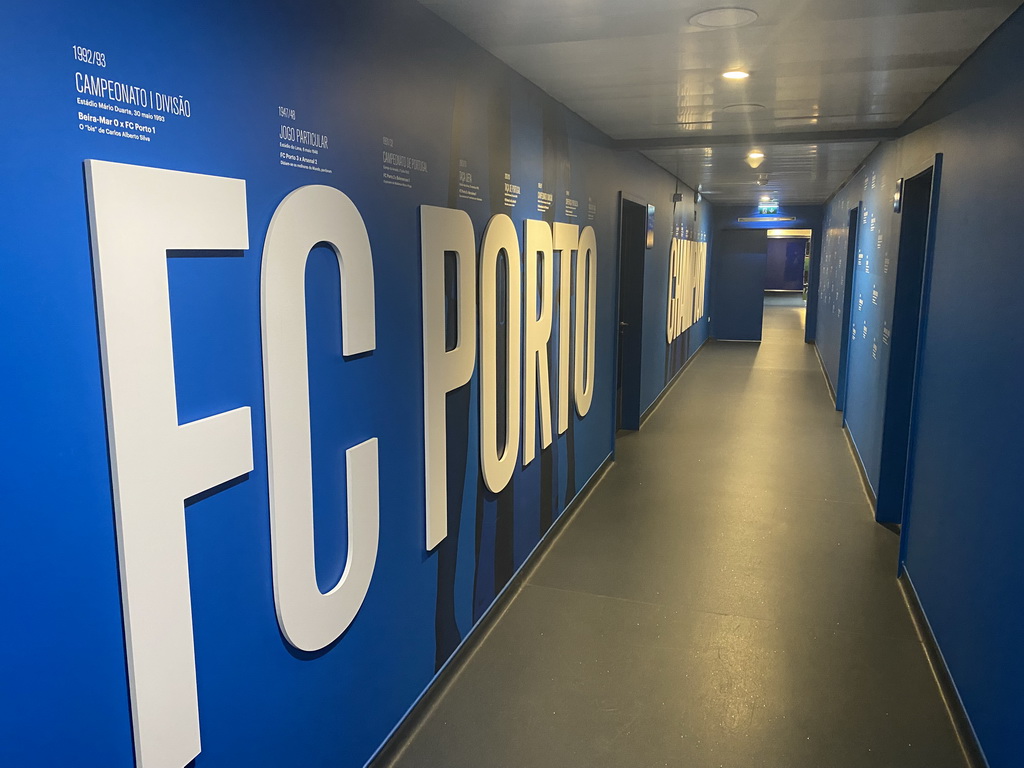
<point>768,209</point>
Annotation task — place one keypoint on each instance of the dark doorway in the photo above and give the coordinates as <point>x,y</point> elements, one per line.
<point>785,267</point>
<point>919,196</point>
<point>632,247</point>
<point>737,284</point>
<point>845,324</point>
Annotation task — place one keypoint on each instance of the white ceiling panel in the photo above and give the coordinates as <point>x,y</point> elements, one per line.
<point>641,72</point>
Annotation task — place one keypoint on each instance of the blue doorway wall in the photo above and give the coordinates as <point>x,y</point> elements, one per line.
<point>746,218</point>
<point>737,285</point>
<point>962,545</point>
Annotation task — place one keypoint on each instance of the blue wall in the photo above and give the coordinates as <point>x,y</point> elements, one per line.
<point>874,281</point>
<point>661,360</point>
<point>964,528</point>
<point>832,283</point>
<point>356,72</point>
<point>804,217</point>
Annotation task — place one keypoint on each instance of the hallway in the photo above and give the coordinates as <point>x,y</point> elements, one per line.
<point>759,623</point>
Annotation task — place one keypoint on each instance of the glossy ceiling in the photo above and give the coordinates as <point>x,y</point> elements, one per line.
<point>829,78</point>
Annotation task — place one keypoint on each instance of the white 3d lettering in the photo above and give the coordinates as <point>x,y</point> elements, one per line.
<point>687,262</point>
<point>308,216</point>
<point>448,231</point>
<point>137,214</point>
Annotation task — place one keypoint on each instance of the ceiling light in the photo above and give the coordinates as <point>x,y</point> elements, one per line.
<point>766,198</point>
<point>743,109</point>
<point>755,157</point>
<point>723,18</point>
<point>735,74</point>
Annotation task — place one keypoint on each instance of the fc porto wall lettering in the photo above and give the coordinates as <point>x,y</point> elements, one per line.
<point>137,215</point>
<point>450,231</point>
<point>309,216</point>
<point>687,271</point>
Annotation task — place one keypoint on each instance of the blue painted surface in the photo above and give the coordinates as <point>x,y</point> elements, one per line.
<point>357,72</point>
<point>874,280</point>
<point>964,529</point>
<point>737,285</point>
<point>833,277</point>
<point>804,217</point>
<point>661,360</point>
<point>785,268</point>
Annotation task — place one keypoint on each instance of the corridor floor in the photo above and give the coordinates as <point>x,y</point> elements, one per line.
<point>723,598</point>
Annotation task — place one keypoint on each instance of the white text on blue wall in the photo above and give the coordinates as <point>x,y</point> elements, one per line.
<point>137,214</point>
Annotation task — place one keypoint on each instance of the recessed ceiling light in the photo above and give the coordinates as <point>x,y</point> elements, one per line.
<point>743,109</point>
<point>723,18</point>
<point>735,74</point>
<point>755,154</point>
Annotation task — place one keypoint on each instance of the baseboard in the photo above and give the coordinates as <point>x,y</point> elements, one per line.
<point>824,372</point>
<point>391,749</point>
<point>965,733</point>
<point>850,442</point>
<point>671,383</point>
<point>859,461</point>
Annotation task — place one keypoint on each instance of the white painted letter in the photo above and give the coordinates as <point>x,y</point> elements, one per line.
<point>565,241</point>
<point>683,306</point>
<point>138,214</point>
<point>308,216</point>
<point>443,230</point>
<point>498,462</point>
<point>686,286</point>
<point>586,320</point>
<point>674,290</point>
<point>539,307</point>
<point>699,282</point>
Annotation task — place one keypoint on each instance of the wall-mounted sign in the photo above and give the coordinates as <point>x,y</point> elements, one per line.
<point>767,209</point>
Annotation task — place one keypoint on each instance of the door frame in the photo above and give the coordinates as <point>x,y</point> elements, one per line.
<point>627,415</point>
<point>852,246</point>
<point>935,164</point>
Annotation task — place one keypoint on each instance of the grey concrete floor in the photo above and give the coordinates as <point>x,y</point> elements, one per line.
<point>723,598</point>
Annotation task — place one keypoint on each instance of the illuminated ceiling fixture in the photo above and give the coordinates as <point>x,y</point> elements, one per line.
<point>766,198</point>
<point>723,18</point>
<point>743,109</point>
<point>735,74</point>
<point>754,158</point>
